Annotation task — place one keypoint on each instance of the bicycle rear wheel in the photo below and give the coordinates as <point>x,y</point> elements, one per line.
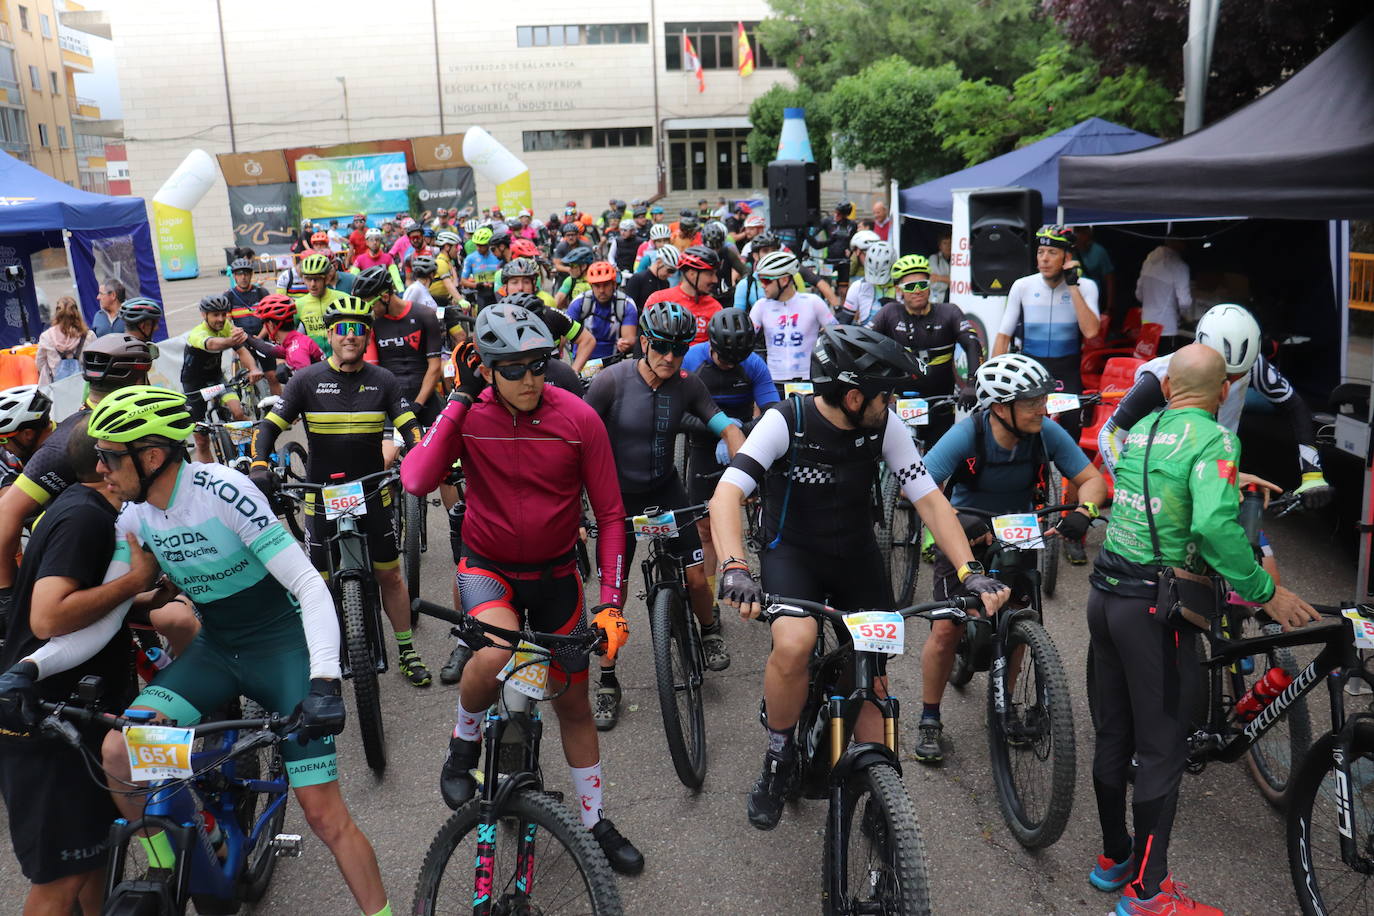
<point>293,460</point>
<point>882,528</point>
<point>412,528</point>
<point>1048,561</point>
<point>884,867</point>
<point>265,763</point>
<point>1325,884</point>
<point>1033,762</point>
<point>678,675</point>
<point>906,552</point>
<point>366,691</point>
<point>1277,755</point>
<point>570,873</point>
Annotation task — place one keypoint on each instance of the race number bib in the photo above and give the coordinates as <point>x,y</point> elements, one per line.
<point>657,526</point>
<point>592,366</point>
<point>206,394</point>
<point>527,671</point>
<point>158,752</point>
<point>1021,529</point>
<point>877,631</point>
<point>1364,629</point>
<point>913,411</point>
<point>450,370</point>
<point>791,388</point>
<point>1060,402</point>
<point>346,498</point>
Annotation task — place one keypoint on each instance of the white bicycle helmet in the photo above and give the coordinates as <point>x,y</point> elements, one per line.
<point>659,231</point>
<point>878,264</point>
<point>1011,377</point>
<point>373,233</point>
<point>776,264</point>
<point>1233,332</point>
<point>863,239</point>
<point>21,406</point>
<point>471,226</point>
<point>755,219</point>
<point>447,238</point>
<point>668,254</point>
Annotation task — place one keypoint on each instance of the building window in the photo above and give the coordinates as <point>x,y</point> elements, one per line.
<point>34,79</point>
<point>52,81</point>
<point>45,25</point>
<point>709,160</point>
<point>43,135</point>
<point>557,36</point>
<point>714,42</point>
<point>535,141</point>
<point>14,130</point>
<point>62,136</point>
<point>24,19</point>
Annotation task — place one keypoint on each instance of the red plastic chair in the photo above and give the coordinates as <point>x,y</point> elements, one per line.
<point>1117,378</point>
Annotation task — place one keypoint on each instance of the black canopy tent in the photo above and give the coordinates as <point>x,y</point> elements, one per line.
<point>1303,151</point>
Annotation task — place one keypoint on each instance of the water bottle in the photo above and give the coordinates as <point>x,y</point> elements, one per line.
<point>157,658</point>
<point>1262,693</point>
<point>1251,512</point>
<point>213,831</point>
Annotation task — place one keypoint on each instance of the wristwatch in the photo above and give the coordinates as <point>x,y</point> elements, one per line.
<point>1092,509</point>
<point>971,568</point>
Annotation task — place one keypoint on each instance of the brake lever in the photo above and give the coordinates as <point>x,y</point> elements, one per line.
<point>62,729</point>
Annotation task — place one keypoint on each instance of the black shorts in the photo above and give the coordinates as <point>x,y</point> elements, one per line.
<point>667,496</point>
<point>701,461</point>
<point>383,540</point>
<point>546,601</point>
<point>59,816</point>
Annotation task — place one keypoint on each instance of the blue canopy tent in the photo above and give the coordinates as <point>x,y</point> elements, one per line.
<point>1035,166</point>
<point>109,240</point>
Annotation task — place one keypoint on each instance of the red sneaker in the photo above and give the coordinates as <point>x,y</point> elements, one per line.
<point>1170,901</point>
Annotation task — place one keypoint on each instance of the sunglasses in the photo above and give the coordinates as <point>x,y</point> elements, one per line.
<point>914,286</point>
<point>516,371</point>
<point>110,457</point>
<point>664,347</point>
<point>350,328</point>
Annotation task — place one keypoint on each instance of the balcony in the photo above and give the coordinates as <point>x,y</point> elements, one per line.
<point>92,22</point>
<point>83,107</point>
<point>76,54</point>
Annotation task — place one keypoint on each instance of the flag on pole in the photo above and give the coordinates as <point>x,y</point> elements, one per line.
<point>746,53</point>
<point>691,62</point>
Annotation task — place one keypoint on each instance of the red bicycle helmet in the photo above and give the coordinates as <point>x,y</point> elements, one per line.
<point>698,257</point>
<point>602,272</point>
<point>275,307</point>
<point>319,237</point>
<point>523,248</point>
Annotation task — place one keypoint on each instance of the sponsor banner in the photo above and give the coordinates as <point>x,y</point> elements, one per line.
<point>346,150</point>
<point>261,216</point>
<point>441,151</point>
<point>268,167</point>
<point>339,188</point>
<point>445,189</point>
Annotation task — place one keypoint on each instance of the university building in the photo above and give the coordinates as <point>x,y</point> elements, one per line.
<point>593,97</point>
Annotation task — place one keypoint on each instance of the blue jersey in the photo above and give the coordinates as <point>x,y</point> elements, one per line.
<point>1006,479</point>
<point>736,390</point>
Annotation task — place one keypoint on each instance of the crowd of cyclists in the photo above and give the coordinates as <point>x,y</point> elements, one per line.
<point>540,376</point>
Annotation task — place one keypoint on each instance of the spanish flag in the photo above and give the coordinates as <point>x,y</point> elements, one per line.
<point>746,53</point>
<point>690,61</point>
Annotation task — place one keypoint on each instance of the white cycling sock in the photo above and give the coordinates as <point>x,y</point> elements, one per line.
<point>468,726</point>
<point>587,785</point>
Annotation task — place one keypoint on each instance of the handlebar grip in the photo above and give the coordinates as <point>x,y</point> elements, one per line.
<point>421,606</point>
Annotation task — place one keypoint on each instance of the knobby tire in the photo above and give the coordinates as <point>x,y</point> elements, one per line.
<point>366,691</point>
<point>675,669</point>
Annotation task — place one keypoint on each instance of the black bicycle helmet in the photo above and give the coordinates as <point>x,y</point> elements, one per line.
<point>507,331</point>
<point>520,267</point>
<point>580,255</point>
<point>688,225</point>
<point>699,257</point>
<point>713,235</point>
<point>765,239</point>
<point>215,302</point>
<point>732,334</point>
<point>668,321</point>
<point>372,282</point>
<point>422,264</point>
<point>240,264</point>
<point>854,357</point>
<point>530,302</point>
<point>115,357</point>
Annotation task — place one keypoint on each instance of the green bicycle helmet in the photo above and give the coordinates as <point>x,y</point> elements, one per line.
<point>910,264</point>
<point>482,236</point>
<point>138,411</point>
<point>315,265</point>
<point>347,308</point>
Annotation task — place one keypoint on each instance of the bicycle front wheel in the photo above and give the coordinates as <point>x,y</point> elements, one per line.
<point>569,872</point>
<point>293,460</point>
<point>1048,561</point>
<point>366,691</point>
<point>1033,763</point>
<point>1277,755</point>
<point>882,528</point>
<point>413,527</point>
<point>884,867</point>
<point>678,675</point>
<point>906,552</point>
<point>265,763</point>
<point>1325,883</point>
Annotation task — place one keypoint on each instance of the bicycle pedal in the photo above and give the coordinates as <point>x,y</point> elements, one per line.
<point>286,845</point>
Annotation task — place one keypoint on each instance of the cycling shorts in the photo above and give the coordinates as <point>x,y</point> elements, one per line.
<point>546,601</point>
<point>383,540</point>
<point>195,404</point>
<point>700,463</point>
<point>666,496</point>
<point>206,678</point>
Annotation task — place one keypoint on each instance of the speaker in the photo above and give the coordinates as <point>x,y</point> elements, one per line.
<point>1001,243</point>
<point>794,193</point>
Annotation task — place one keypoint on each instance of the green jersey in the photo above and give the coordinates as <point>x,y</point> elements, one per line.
<point>1194,499</point>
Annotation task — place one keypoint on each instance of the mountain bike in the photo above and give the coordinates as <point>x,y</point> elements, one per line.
<point>1030,716</point>
<point>357,599</point>
<point>874,857</point>
<point>898,530</point>
<point>531,854</point>
<point>230,438</point>
<point>234,785</point>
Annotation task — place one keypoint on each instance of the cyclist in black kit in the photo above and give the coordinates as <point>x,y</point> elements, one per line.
<point>816,510</point>
<point>642,403</point>
<point>930,331</point>
<point>345,403</point>
<point>406,341</point>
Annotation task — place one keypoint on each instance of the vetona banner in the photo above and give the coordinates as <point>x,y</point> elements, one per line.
<point>261,216</point>
<point>445,189</point>
<point>339,188</point>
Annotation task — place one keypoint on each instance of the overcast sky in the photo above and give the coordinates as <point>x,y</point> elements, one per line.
<point>103,85</point>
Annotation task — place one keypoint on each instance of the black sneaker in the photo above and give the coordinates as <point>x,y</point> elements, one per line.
<point>456,783</point>
<point>928,748</point>
<point>1075,552</point>
<point>606,707</point>
<point>619,851</point>
<point>452,672</point>
<point>765,801</point>
<point>410,666</point>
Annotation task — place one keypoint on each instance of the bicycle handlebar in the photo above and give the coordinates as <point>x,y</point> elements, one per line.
<point>775,606</point>
<point>476,632</point>
<point>302,485</point>
<point>984,513</point>
<point>61,714</point>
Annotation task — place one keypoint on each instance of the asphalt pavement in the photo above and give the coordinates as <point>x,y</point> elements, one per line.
<point>702,854</point>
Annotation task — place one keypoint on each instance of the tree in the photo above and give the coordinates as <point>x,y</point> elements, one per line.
<point>979,120</point>
<point>765,117</point>
<point>882,119</point>
<point>1256,46</point>
<point>822,41</point>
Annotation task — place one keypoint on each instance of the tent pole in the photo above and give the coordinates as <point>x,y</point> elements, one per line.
<point>894,217</point>
<point>1197,60</point>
